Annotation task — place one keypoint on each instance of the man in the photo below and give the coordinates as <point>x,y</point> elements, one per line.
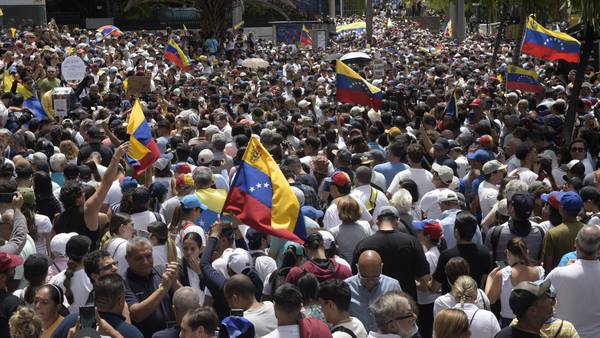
<point>576,284</point>
<point>440,150</point>
<point>416,173</point>
<point>200,323</point>
<point>94,137</point>
<point>290,323</point>
<point>442,178</point>
<point>184,185</point>
<point>532,303</point>
<point>478,256</point>
<point>528,156</point>
<point>110,301</point>
<point>373,199</point>
<point>450,206</point>
<point>240,293</point>
<point>368,284</point>
<point>392,244</point>
<point>185,300</point>
<point>579,151</point>
<point>520,206</point>
<point>340,185</point>
<point>393,165</point>
<point>96,264</point>
<point>10,208</point>
<point>8,303</point>
<point>560,239</point>
<point>148,288</point>
<point>394,316</point>
<point>49,82</point>
<point>494,172</point>
<point>318,264</point>
<point>258,242</point>
<point>335,298</point>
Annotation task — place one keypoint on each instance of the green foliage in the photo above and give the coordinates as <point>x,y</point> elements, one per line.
<point>589,11</point>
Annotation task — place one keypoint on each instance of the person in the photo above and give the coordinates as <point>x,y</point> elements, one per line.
<point>109,302</point>
<point>308,285</point>
<point>58,246</point>
<point>200,323</point>
<point>24,323</point>
<point>391,244</point>
<point>335,298</point>
<point>318,264</point>
<point>340,185</point>
<point>373,198</point>
<point>560,239</point>
<point>532,303</point>
<point>184,185</point>
<point>258,243</point>
<point>452,323</point>
<point>351,231</point>
<point>287,305</point>
<point>11,214</point>
<point>368,284</point>
<point>494,172</point>
<point>482,323</point>
<point>9,303</point>
<point>442,179</point>
<point>185,300</point>
<point>48,305</point>
<point>422,177</point>
<point>393,166</point>
<point>120,231</point>
<point>190,273</point>
<point>39,226</point>
<point>394,315</point>
<point>501,280</point>
<point>164,249</point>
<point>450,207</point>
<point>478,256</point>
<point>574,305</point>
<point>240,293</point>
<point>148,288</point>
<point>73,281</point>
<point>35,271</point>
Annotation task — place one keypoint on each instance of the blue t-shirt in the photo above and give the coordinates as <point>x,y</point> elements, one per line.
<point>116,321</point>
<point>389,170</point>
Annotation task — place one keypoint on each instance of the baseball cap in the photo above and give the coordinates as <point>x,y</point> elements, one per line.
<point>297,248</point>
<point>58,244</point>
<point>205,157</point>
<point>8,261</point>
<point>444,172</point>
<point>192,201</point>
<point>388,210</point>
<point>128,182</point>
<point>480,156</point>
<point>492,166</point>
<point>553,198</point>
<point>311,212</point>
<point>431,228</point>
<point>184,180</point>
<point>442,143</point>
<point>394,131</point>
<point>183,168</point>
<point>328,240</point>
<point>238,260</point>
<point>161,163</point>
<point>485,140</point>
<point>526,293</point>
<point>475,102</point>
<point>571,203</point>
<point>339,178</point>
<point>447,196</point>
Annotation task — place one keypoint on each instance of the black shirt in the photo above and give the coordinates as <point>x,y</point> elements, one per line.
<point>513,332</point>
<point>402,256</point>
<point>88,148</point>
<point>72,220</point>
<point>8,305</point>
<point>478,257</point>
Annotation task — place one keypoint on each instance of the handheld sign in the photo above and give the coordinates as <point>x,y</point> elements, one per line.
<point>138,85</point>
<point>73,68</point>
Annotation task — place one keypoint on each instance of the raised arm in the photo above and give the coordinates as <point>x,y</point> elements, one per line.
<point>18,235</point>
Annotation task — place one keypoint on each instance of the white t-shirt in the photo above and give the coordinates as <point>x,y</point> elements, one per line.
<point>263,319</point>
<point>195,284</point>
<point>429,203</point>
<point>354,325</point>
<point>117,248</point>
<point>81,286</point>
<point>159,254</point>
<point>525,175</point>
<point>287,331</point>
<point>483,323</point>
<point>332,217</point>
<point>421,177</point>
<point>142,219</point>
<point>44,227</point>
<point>363,194</point>
<point>264,265</point>
<point>488,196</point>
<point>448,301</point>
<point>427,297</point>
<point>114,194</point>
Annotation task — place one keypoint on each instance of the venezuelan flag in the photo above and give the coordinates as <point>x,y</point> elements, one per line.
<point>261,197</point>
<point>452,107</point>
<point>174,54</point>
<point>35,106</point>
<point>352,88</point>
<point>214,200</point>
<point>355,27</point>
<point>522,79</point>
<point>143,150</point>
<point>550,45</point>
<point>448,29</point>
<point>8,83</point>
<point>305,39</point>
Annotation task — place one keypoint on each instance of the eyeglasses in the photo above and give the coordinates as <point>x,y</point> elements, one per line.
<point>577,150</point>
<point>411,315</point>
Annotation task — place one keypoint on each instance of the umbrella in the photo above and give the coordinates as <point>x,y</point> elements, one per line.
<point>255,63</point>
<point>110,29</point>
<point>356,57</point>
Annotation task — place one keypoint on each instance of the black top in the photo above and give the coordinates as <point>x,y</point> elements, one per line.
<point>116,321</point>
<point>513,332</point>
<point>87,149</point>
<point>72,220</point>
<point>137,289</point>
<point>402,256</point>
<point>48,206</point>
<point>8,305</point>
<point>478,257</point>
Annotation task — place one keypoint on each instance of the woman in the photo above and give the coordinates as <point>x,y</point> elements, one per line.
<point>501,281</point>
<point>47,204</point>
<point>186,213</point>
<point>163,247</point>
<point>483,323</point>
<point>35,270</point>
<point>39,226</point>
<point>402,201</point>
<point>120,231</point>
<point>73,281</point>
<point>70,150</point>
<point>25,324</point>
<point>48,304</point>
<point>190,273</point>
<point>309,285</point>
<point>292,256</point>
<point>350,232</point>
<point>451,323</point>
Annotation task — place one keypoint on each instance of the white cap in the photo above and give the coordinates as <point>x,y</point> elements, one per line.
<point>303,104</point>
<point>238,260</point>
<point>211,129</point>
<point>58,244</point>
<point>206,156</point>
<point>328,240</point>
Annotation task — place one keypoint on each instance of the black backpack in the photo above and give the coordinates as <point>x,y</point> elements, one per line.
<point>345,330</point>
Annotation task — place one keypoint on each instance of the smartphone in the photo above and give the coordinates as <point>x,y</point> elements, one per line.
<point>237,313</point>
<point>87,316</point>
<point>501,264</point>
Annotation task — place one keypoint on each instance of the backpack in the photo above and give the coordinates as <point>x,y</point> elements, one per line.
<point>495,238</point>
<point>345,330</point>
<point>372,202</point>
<point>255,255</point>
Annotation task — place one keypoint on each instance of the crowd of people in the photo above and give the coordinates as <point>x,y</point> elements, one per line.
<point>421,223</point>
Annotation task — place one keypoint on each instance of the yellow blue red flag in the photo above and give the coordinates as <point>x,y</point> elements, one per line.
<point>214,200</point>
<point>352,88</point>
<point>174,54</point>
<point>262,198</point>
<point>355,27</point>
<point>305,39</point>
<point>143,151</point>
<point>522,79</point>
<point>550,45</point>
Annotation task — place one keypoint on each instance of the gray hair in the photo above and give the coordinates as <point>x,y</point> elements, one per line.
<point>299,195</point>
<point>387,307</point>
<point>588,239</point>
<point>185,300</point>
<point>135,243</point>
<point>202,177</point>
<point>402,200</point>
<point>514,186</point>
<point>57,161</point>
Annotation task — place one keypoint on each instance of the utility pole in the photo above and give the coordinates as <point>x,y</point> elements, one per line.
<point>369,22</point>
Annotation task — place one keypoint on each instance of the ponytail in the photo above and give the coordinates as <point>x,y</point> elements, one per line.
<point>464,290</point>
<point>105,240</point>
<point>177,217</point>
<point>69,272</point>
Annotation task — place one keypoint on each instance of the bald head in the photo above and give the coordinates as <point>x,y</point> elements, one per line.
<point>588,242</point>
<point>185,299</point>
<point>369,268</point>
<point>369,258</point>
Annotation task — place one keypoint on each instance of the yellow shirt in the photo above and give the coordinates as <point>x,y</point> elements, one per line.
<point>50,330</point>
<point>558,328</point>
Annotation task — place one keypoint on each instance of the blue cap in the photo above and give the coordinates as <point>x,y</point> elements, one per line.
<point>298,249</point>
<point>571,203</point>
<point>128,182</point>
<point>192,201</point>
<point>480,156</point>
<point>311,212</point>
